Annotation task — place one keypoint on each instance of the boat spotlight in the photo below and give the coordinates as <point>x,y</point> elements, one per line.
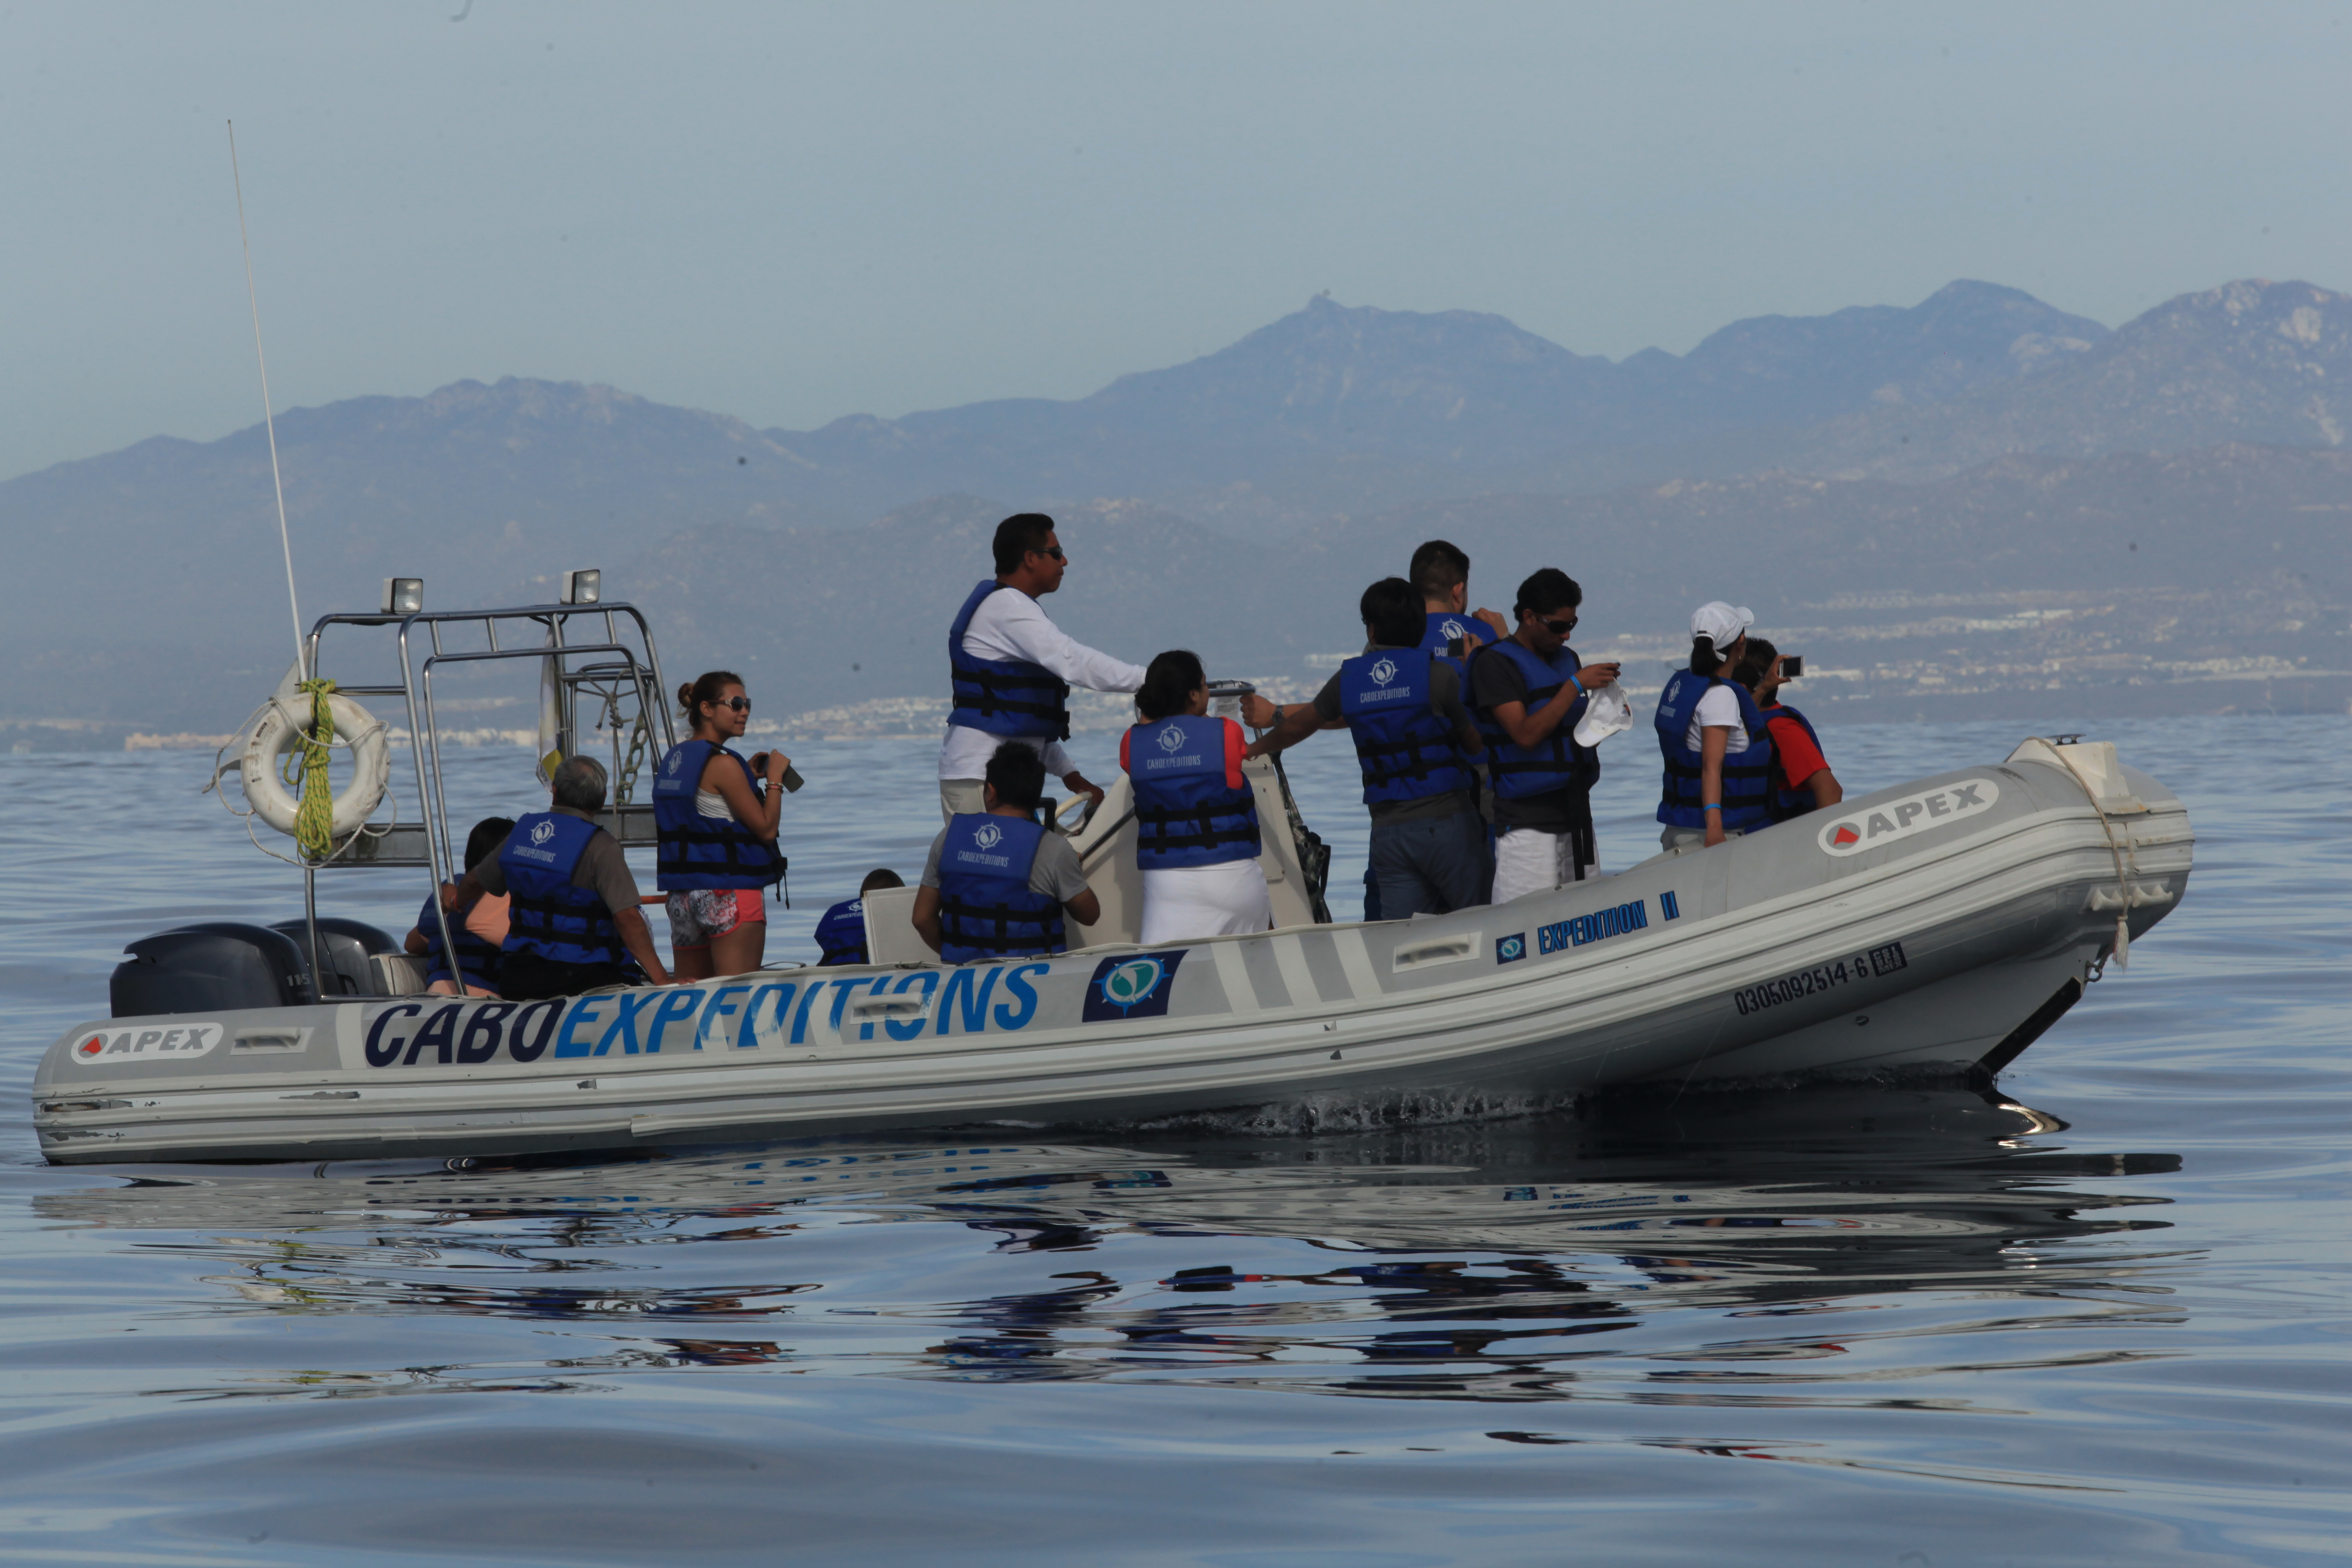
<point>582,587</point>
<point>404,596</point>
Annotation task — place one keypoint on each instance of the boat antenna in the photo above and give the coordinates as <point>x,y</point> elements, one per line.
<point>267,423</point>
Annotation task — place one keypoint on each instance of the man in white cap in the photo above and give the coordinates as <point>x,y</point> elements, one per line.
<point>1716,744</point>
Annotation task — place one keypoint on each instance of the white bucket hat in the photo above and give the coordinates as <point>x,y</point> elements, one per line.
<point>1721,624</point>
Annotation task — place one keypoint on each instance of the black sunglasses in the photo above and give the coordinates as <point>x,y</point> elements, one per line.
<point>1054,551</point>
<point>739,704</point>
<point>1558,629</point>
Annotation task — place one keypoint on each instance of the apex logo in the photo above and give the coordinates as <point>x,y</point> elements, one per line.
<point>1861,830</point>
<point>184,1040</point>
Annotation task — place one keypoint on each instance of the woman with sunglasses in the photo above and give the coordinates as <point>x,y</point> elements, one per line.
<point>716,816</point>
<point>1528,690</point>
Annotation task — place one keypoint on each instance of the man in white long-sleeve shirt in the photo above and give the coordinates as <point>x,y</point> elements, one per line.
<point>1011,668</point>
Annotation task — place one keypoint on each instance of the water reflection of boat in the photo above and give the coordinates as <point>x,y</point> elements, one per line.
<point>1408,1245</point>
<point>1939,927</point>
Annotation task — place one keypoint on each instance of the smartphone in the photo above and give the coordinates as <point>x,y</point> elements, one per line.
<point>1791,666</point>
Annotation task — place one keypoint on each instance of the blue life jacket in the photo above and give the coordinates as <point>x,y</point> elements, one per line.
<point>1185,813</point>
<point>1789,802</point>
<point>986,910</point>
<point>1559,762</point>
<point>1747,775</point>
<point>841,933</point>
<point>1003,696</point>
<point>477,959</point>
<point>696,851</point>
<point>1442,626</point>
<point>546,914</point>
<point>1407,752</point>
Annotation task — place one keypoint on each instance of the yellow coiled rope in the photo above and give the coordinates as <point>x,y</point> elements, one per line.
<point>314,815</point>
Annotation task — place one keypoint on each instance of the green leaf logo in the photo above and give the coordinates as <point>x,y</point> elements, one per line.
<point>1132,982</point>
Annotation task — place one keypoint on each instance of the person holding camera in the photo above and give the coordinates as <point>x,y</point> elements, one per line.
<point>1801,780</point>
<point>716,817</point>
<point>1441,573</point>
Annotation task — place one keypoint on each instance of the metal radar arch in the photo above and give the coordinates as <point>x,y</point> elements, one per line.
<point>598,662</point>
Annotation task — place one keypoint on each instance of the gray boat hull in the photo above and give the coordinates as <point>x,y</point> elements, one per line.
<point>1956,919</point>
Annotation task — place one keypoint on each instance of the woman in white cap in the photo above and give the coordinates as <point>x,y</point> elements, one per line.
<point>1717,746</point>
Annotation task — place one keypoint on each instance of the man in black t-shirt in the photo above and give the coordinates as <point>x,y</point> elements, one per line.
<point>1530,691</point>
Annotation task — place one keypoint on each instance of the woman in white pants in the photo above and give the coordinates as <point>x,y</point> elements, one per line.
<point>1196,817</point>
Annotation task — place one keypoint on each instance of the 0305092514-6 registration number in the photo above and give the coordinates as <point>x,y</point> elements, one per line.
<point>1804,982</point>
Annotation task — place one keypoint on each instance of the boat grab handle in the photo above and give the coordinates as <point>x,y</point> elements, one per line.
<point>1439,950</point>
<point>890,1007</point>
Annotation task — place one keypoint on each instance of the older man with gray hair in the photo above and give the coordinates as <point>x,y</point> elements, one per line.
<point>573,904</point>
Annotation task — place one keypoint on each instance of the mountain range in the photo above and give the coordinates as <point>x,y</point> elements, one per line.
<point>1979,439</point>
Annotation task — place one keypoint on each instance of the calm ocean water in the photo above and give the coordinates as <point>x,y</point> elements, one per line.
<point>1834,1323</point>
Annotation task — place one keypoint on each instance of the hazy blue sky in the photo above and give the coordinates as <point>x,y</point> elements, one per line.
<point>792,212</point>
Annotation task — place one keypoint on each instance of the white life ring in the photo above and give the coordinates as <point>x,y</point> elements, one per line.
<point>280,730</point>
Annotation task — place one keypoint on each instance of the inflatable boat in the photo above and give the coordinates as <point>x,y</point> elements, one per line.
<point>1935,927</point>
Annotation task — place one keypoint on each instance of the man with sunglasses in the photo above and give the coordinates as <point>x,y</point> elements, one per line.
<point>1010,670</point>
<point>1528,691</point>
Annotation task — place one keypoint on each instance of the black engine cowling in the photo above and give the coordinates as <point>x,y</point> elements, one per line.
<point>344,949</point>
<point>224,964</point>
<point>212,967</point>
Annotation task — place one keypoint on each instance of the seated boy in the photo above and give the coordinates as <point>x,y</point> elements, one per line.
<point>841,932</point>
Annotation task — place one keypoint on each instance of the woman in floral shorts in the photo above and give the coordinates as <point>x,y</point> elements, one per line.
<point>716,818</point>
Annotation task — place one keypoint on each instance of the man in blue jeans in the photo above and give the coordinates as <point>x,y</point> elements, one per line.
<point>1414,738</point>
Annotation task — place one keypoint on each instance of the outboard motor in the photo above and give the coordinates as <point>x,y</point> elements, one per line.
<point>345,947</point>
<point>218,966</point>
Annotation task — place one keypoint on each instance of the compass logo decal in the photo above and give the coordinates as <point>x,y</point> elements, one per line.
<point>1132,985</point>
